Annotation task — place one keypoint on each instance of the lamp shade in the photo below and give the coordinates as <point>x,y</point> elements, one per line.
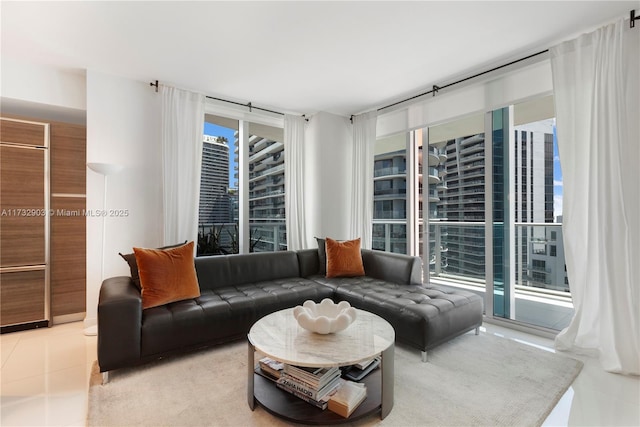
<point>105,168</point>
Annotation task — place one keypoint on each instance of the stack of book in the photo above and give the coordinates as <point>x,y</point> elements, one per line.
<point>344,401</point>
<point>270,367</point>
<point>313,385</point>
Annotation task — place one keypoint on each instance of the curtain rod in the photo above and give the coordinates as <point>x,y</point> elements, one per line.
<point>435,88</point>
<point>249,105</point>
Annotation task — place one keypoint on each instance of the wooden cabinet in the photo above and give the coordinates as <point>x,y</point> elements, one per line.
<point>24,223</point>
<point>43,167</point>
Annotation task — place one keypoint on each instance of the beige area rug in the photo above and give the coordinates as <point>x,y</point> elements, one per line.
<point>470,381</point>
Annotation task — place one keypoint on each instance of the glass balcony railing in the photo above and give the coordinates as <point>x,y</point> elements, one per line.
<point>389,171</point>
<point>541,287</point>
<point>222,238</point>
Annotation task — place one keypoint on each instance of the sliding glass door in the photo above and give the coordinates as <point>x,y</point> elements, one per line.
<point>482,207</point>
<point>456,203</point>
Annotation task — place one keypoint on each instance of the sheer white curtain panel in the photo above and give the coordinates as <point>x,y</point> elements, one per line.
<point>182,130</point>
<point>364,138</point>
<point>294,127</point>
<point>596,88</point>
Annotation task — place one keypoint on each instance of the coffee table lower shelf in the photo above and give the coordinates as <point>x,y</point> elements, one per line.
<point>291,408</point>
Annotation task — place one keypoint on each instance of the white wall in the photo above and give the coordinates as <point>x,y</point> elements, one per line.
<point>328,159</point>
<point>42,84</point>
<point>123,127</point>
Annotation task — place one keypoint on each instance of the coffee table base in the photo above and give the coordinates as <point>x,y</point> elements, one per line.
<point>278,402</point>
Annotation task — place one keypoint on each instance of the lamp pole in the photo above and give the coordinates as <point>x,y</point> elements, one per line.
<point>104,169</point>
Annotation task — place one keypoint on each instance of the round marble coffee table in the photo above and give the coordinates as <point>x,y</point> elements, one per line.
<point>279,337</point>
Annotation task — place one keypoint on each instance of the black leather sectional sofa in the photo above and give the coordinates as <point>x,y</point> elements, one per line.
<point>237,290</point>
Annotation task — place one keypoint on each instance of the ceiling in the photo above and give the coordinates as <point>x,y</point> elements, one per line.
<point>343,57</point>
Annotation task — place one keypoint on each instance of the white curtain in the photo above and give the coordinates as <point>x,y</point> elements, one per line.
<point>364,138</point>
<point>182,130</point>
<point>596,85</point>
<point>294,182</point>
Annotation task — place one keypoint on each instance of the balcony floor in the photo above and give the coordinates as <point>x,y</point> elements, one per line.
<point>531,309</point>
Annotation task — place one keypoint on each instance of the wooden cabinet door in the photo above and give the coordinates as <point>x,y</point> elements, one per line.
<point>23,296</point>
<point>22,206</point>
<point>24,222</point>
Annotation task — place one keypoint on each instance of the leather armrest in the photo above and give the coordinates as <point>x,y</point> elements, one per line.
<point>119,323</point>
<point>396,268</point>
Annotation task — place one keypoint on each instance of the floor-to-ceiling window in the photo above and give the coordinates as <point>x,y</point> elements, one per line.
<point>491,186</point>
<point>222,197</point>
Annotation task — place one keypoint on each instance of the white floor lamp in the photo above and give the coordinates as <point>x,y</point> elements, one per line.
<point>104,169</point>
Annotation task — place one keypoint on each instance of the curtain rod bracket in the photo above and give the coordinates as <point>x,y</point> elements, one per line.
<point>154,84</point>
<point>633,18</point>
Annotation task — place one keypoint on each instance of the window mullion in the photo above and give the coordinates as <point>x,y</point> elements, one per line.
<point>243,187</point>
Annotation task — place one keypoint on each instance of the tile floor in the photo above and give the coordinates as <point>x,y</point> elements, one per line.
<point>45,376</point>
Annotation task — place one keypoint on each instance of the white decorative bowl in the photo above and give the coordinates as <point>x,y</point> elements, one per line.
<point>326,317</point>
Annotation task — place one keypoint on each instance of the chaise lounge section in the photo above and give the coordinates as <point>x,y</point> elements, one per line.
<point>236,290</point>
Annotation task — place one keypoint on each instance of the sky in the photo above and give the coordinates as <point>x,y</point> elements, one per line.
<point>557,178</point>
<point>215,130</point>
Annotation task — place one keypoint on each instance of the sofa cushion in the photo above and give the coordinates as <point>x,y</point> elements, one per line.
<point>344,258</point>
<point>222,314</point>
<point>423,316</point>
<point>166,275</point>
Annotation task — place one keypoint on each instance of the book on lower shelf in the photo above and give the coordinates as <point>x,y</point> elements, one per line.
<point>347,398</point>
<point>293,383</point>
<point>321,404</point>
<point>271,367</point>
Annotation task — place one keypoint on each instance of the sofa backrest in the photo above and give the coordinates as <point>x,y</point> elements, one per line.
<point>309,262</point>
<point>231,270</point>
<point>396,268</point>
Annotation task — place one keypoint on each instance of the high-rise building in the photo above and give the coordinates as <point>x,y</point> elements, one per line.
<point>538,262</point>
<point>390,195</point>
<point>215,205</point>
<point>266,193</point>
<point>460,192</point>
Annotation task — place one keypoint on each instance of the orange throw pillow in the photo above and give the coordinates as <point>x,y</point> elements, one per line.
<point>344,258</point>
<point>167,275</point>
